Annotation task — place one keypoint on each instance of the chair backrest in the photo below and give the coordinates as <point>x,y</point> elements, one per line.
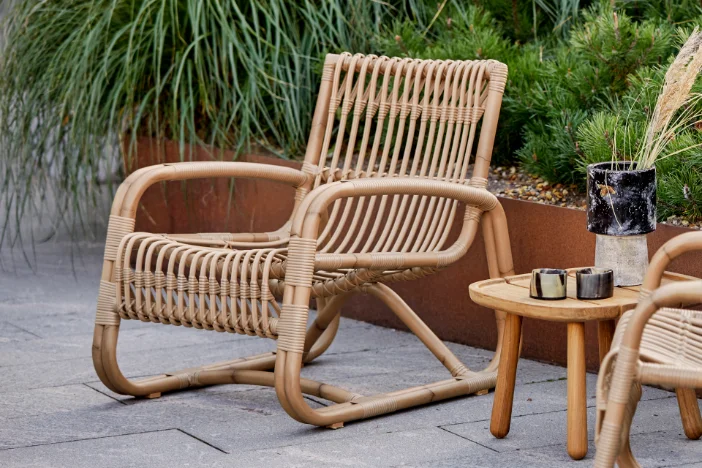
<point>390,117</point>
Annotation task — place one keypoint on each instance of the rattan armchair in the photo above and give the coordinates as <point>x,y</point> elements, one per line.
<point>385,178</point>
<point>658,343</point>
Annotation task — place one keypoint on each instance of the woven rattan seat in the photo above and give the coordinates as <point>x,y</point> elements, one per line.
<point>393,188</point>
<point>658,343</point>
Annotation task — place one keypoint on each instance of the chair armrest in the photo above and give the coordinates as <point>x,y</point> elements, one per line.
<point>132,189</point>
<point>675,247</point>
<point>307,219</point>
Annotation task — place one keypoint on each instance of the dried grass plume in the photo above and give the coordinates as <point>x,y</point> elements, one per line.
<point>676,92</point>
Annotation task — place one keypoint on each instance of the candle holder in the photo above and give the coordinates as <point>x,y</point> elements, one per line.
<point>548,284</point>
<point>594,283</point>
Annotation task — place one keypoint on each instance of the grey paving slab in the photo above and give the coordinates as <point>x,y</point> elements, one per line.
<point>108,418</point>
<point>10,333</point>
<point>134,364</point>
<point>652,449</point>
<point>487,460</point>
<point>529,399</point>
<point>161,449</point>
<point>403,448</point>
<point>50,400</point>
<point>537,430</point>
<point>131,340</point>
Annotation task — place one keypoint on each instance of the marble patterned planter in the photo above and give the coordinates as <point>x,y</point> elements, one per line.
<point>620,202</point>
<point>621,210</point>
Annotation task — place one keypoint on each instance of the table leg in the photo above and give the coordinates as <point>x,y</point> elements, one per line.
<point>605,334</point>
<point>506,376</point>
<point>577,392</point>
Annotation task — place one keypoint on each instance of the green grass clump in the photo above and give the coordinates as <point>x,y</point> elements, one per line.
<point>75,75</point>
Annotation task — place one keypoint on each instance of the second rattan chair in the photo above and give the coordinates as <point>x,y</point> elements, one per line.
<point>385,178</point>
<point>658,343</point>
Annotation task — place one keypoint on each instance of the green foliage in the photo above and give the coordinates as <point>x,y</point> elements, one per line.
<point>671,11</point>
<point>552,150</point>
<point>78,74</point>
<point>591,72</point>
<point>616,46</point>
<point>680,191</point>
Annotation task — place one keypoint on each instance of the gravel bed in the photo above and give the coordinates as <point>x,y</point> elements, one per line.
<point>512,182</point>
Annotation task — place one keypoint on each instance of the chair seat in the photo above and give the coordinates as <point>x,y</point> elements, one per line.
<point>203,281</point>
<point>672,336</point>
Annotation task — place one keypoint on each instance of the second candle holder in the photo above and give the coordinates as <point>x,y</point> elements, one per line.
<point>594,283</point>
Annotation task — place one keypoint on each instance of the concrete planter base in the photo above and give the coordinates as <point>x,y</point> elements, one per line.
<point>626,256</point>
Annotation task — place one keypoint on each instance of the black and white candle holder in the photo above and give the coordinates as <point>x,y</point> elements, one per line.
<point>549,284</point>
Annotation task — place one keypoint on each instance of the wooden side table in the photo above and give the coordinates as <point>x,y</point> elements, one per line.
<point>511,295</point>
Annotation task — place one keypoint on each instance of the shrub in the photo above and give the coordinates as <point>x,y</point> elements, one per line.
<point>621,130</point>
<point>589,72</point>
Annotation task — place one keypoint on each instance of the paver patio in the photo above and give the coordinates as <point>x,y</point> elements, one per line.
<point>54,412</point>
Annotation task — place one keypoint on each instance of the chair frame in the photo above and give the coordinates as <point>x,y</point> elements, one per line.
<point>617,400</point>
<point>298,344</point>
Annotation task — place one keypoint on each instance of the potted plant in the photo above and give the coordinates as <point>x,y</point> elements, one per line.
<point>621,193</point>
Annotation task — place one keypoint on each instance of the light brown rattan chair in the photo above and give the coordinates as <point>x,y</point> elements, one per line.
<point>658,343</point>
<point>383,182</point>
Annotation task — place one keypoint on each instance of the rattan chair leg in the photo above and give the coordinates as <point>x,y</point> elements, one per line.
<point>321,333</point>
<point>609,442</point>
<point>500,264</point>
<point>689,412</point>
<point>105,358</point>
<point>419,328</point>
<point>626,457</point>
<point>465,381</point>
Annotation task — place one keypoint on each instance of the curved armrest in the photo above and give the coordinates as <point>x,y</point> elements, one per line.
<point>131,190</point>
<point>307,219</point>
<point>672,249</point>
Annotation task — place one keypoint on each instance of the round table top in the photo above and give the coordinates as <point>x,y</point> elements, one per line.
<point>511,295</point>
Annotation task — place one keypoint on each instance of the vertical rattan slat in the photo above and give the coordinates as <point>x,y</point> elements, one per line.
<point>377,201</point>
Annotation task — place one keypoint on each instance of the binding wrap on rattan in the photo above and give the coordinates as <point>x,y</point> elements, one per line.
<point>107,304</point>
<point>626,361</point>
<point>373,406</point>
<point>292,326</point>
<point>118,227</point>
<point>478,182</point>
<point>498,76</point>
<point>300,265</point>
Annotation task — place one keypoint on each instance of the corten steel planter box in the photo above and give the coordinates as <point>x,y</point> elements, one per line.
<point>541,236</point>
